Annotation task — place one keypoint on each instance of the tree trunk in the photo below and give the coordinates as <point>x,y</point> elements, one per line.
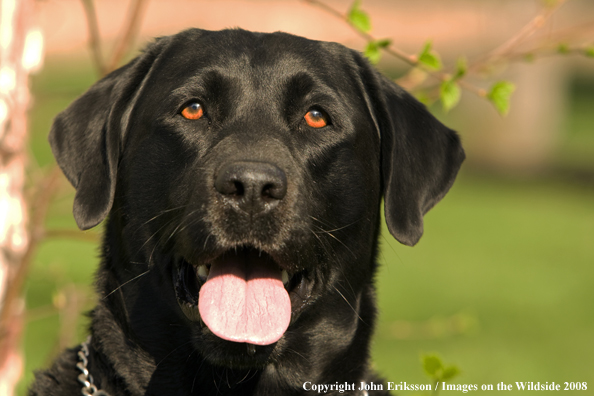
<point>20,53</point>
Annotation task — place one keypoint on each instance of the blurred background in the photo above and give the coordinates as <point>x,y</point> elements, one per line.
<point>502,282</point>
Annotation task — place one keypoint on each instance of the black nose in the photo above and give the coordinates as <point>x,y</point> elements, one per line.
<point>254,187</point>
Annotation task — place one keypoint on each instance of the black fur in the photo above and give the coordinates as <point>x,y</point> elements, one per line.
<point>136,161</point>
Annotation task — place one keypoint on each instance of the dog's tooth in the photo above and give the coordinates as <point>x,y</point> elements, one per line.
<point>285,277</point>
<point>203,271</point>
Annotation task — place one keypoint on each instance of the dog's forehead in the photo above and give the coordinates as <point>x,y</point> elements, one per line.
<point>257,58</point>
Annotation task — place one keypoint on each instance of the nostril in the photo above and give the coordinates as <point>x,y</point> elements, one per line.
<point>275,191</point>
<point>251,186</point>
<point>226,185</point>
<point>239,189</point>
<point>267,191</point>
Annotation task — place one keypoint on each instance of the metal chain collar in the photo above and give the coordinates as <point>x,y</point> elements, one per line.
<point>85,378</point>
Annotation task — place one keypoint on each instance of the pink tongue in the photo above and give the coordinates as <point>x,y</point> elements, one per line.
<point>245,301</point>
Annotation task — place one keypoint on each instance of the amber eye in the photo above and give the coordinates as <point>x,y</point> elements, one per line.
<point>193,111</point>
<point>316,118</point>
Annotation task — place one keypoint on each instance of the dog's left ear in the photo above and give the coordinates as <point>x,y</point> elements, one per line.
<point>420,157</point>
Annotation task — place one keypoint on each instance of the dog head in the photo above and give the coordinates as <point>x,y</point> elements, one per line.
<point>243,173</point>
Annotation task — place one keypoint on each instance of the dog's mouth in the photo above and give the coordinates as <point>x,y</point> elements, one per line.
<point>243,295</point>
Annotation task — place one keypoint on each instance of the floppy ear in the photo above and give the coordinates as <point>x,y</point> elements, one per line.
<point>86,138</point>
<point>420,160</point>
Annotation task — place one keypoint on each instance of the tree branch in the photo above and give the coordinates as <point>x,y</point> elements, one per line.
<point>94,36</point>
<point>410,59</point>
<point>529,29</point>
<point>131,27</point>
<point>71,234</point>
<point>505,50</point>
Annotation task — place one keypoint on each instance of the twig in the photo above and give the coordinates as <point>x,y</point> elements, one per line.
<point>472,88</point>
<point>550,51</point>
<point>135,13</point>
<point>41,206</point>
<point>94,36</point>
<point>410,59</point>
<point>529,29</point>
<point>504,50</point>
<point>72,234</point>
<point>583,32</point>
<point>557,43</point>
<point>39,313</point>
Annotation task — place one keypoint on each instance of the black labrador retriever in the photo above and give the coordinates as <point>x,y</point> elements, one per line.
<point>241,176</point>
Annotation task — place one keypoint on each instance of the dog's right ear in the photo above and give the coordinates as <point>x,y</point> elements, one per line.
<point>86,137</point>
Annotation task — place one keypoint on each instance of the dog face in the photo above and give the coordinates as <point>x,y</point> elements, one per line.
<point>243,174</point>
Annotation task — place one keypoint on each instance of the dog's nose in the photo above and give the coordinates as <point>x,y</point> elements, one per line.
<point>254,187</point>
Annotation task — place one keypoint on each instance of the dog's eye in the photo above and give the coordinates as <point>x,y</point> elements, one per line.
<point>316,118</point>
<point>193,111</point>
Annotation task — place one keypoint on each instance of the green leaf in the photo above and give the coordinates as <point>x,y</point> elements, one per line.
<point>383,43</point>
<point>563,48</point>
<point>429,58</point>
<point>359,18</point>
<point>461,68</point>
<point>372,50</point>
<point>449,93</point>
<point>432,364</point>
<point>590,52</point>
<point>424,98</point>
<point>529,58</point>
<point>500,94</point>
<point>449,373</point>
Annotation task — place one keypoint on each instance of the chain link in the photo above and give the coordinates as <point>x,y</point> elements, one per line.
<point>85,378</point>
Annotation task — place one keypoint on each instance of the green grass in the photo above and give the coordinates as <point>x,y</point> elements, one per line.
<point>501,283</point>
<point>513,262</point>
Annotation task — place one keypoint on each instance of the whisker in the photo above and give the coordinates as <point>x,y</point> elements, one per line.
<point>337,239</point>
<point>173,350</point>
<point>151,237</point>
<point>174,231</point>
<point>194,221</point>
<point>244,377</point>
<point>125,283</point>
<point>323,244</point>
<point>193,383</point>
<point>162,213</point>
<point>353,294</point>
<point>215,381</point>
<point>347,301</point>
<point>335,229</point>
<point>291,350</point>
<point>159,241</point>
<point>156,217</point>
